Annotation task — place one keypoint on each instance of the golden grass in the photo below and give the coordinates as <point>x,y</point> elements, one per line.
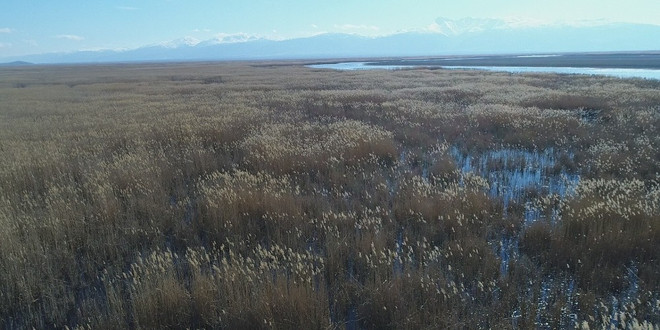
<point>231,195</point>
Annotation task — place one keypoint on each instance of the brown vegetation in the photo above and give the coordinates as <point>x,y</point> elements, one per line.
<point>211,195</point>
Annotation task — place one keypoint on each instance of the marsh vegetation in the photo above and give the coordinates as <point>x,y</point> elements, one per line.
<point>235,195</point>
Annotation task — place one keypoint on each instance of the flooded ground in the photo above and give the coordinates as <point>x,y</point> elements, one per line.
<point>527,178</point>
<point>513,175</point>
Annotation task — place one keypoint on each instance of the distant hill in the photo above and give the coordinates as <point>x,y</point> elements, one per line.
<point>444,37</point>
<point>16,63</point>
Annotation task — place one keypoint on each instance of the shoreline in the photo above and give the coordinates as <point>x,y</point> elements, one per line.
<point>650,60</point>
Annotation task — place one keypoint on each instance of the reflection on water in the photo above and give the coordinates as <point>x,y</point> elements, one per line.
<point>613,72</point>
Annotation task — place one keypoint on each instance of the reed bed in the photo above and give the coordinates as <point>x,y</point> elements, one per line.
<point>237,195</point>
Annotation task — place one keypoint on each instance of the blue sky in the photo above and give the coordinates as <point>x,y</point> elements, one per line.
<point>41,26</point>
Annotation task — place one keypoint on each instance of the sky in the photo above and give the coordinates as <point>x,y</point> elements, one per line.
<point>44,26</point>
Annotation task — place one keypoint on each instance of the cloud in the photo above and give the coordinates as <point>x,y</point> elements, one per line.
<point>72,37</point>
<point>6,30</point>
<point>315,26</point>
<point>127,8</point>
<point>353,27</point>
<point>5,45</point>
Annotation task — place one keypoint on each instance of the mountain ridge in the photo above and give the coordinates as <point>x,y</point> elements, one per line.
<point>445,37</point>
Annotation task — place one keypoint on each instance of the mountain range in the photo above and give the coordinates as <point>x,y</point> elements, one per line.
<point>444,37</point>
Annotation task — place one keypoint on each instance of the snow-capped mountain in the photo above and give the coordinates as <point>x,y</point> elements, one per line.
<point>443,37</point>
<point>469,25</point>
<point>450,27</point>
<point>183,42</point>
<point>226,38</point>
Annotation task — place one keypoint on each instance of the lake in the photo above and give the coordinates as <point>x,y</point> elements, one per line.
<point>613,72</point>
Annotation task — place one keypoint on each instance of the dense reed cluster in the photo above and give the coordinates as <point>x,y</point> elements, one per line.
<point>272,195</point>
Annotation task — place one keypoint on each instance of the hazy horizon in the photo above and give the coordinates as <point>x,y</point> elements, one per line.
<point>28,28</point>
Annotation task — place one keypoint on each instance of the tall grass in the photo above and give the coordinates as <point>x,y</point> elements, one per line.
<point>243,195</point>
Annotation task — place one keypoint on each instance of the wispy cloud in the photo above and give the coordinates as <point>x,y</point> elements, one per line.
<point>127,8</point>
<point>6,30</point>
<point>70,37</point>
